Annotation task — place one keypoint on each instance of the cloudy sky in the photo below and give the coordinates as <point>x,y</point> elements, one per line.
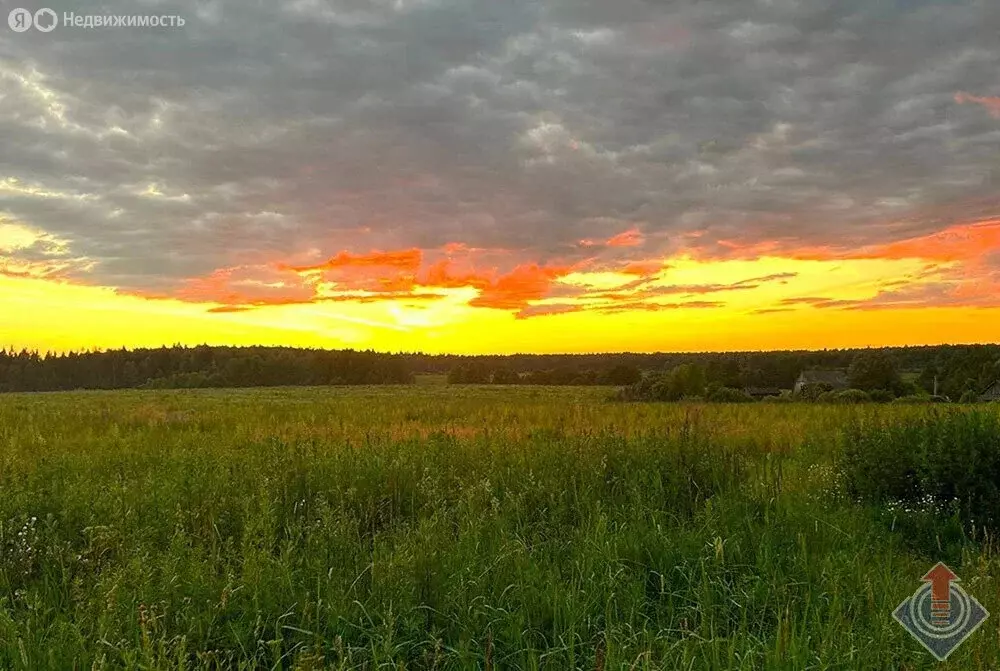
<point>485,175</point>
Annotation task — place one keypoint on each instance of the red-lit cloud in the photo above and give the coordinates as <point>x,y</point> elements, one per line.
<point>375,276</point>
<point>956,243</point>
<point>643,268</point>
<point>630,238</point>
<point>247,285</point>
<point>991,103</point>
<point>959,242</point>
<point>960,269</point>
<point>525,283</point>
<point>403,260</point>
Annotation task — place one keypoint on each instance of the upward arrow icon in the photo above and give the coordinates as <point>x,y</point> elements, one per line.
<point>940,578</point>
<point>940,614</point>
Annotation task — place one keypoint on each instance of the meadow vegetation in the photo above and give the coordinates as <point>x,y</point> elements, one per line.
<point>490,527</point>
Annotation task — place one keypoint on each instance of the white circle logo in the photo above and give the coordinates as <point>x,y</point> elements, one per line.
<point>46,20</point>
<point>19,20</point>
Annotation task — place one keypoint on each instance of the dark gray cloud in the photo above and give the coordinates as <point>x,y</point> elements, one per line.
<point>266,131</point>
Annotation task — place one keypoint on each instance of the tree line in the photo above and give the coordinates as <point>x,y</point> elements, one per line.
<point>202,366</point>
<point>871,375</point>
<point>959,369</point>
<point>481,372</point>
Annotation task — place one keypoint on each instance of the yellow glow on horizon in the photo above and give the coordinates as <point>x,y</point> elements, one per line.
<point>48,315</point>
<point>15,236</point>
<point>599,281</point>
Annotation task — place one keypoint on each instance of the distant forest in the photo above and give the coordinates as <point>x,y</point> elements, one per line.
<point>958,368</point>
<point>202,366</point>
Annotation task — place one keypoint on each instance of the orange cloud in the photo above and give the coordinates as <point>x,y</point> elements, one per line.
<point>957,243</point>
<point>377,271</point>
<point>547,310</point>
<point>643,268</point>
<point>230,308</point>
<point>629,238</point>
<point>991,103</point>
<point>955,269</point>
<point>340,298</point>
<point>443,274</point>
<point>404,275</point>
<point>407,259</point>
<point>756,250</point>
<point>525,283</point>
<point>378,297</point>
<point>246,285</point>
<point>649,306</point>
<point>754,282</point>
<point>960,242</point>
<point>367,278</point>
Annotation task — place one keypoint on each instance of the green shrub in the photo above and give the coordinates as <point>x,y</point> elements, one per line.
<point>920,398</point>
<point>729,395</point>
<point>968,396</point>
<point>881,395</point>
<point>682,383</point>
<point>813,391</point>
<point>851,396</point>
<point>844,396</point>
<point>943,460</point>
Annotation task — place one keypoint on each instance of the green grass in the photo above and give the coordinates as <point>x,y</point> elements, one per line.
<point>443,527</point>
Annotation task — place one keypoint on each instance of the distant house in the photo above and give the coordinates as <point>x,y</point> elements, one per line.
<point>834,379</point>
<point>761,392</point>
<point>991,393</point>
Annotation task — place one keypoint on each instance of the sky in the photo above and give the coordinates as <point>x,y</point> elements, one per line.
<point>486,176</point>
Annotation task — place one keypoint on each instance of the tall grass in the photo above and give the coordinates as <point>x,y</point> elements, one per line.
<point>938,466</point>
<point>448,528</point>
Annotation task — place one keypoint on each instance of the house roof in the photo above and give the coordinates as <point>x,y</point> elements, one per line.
<point>834,377</point>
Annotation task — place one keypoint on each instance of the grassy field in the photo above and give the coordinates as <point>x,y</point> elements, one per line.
<point>437,527</point>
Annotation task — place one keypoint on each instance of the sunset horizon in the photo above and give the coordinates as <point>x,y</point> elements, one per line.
<point>499,334</point>
<point>551,178</point>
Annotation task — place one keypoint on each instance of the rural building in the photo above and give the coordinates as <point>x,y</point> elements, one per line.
<point>991,393</point>
<point>834,379</point>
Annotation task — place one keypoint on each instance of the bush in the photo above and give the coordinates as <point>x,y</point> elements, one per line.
<point>813,392</point>
<point>729,395</point>
<point>621,375</point>
<point>844,396</point>
<point>915,398</point>
<point>881,395</point>
<point>875,369</point>
<point>682,383</point>
<point>851,396</point>
<point>969,396</point>
<point>646,389</point>
<point>943,460</point>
